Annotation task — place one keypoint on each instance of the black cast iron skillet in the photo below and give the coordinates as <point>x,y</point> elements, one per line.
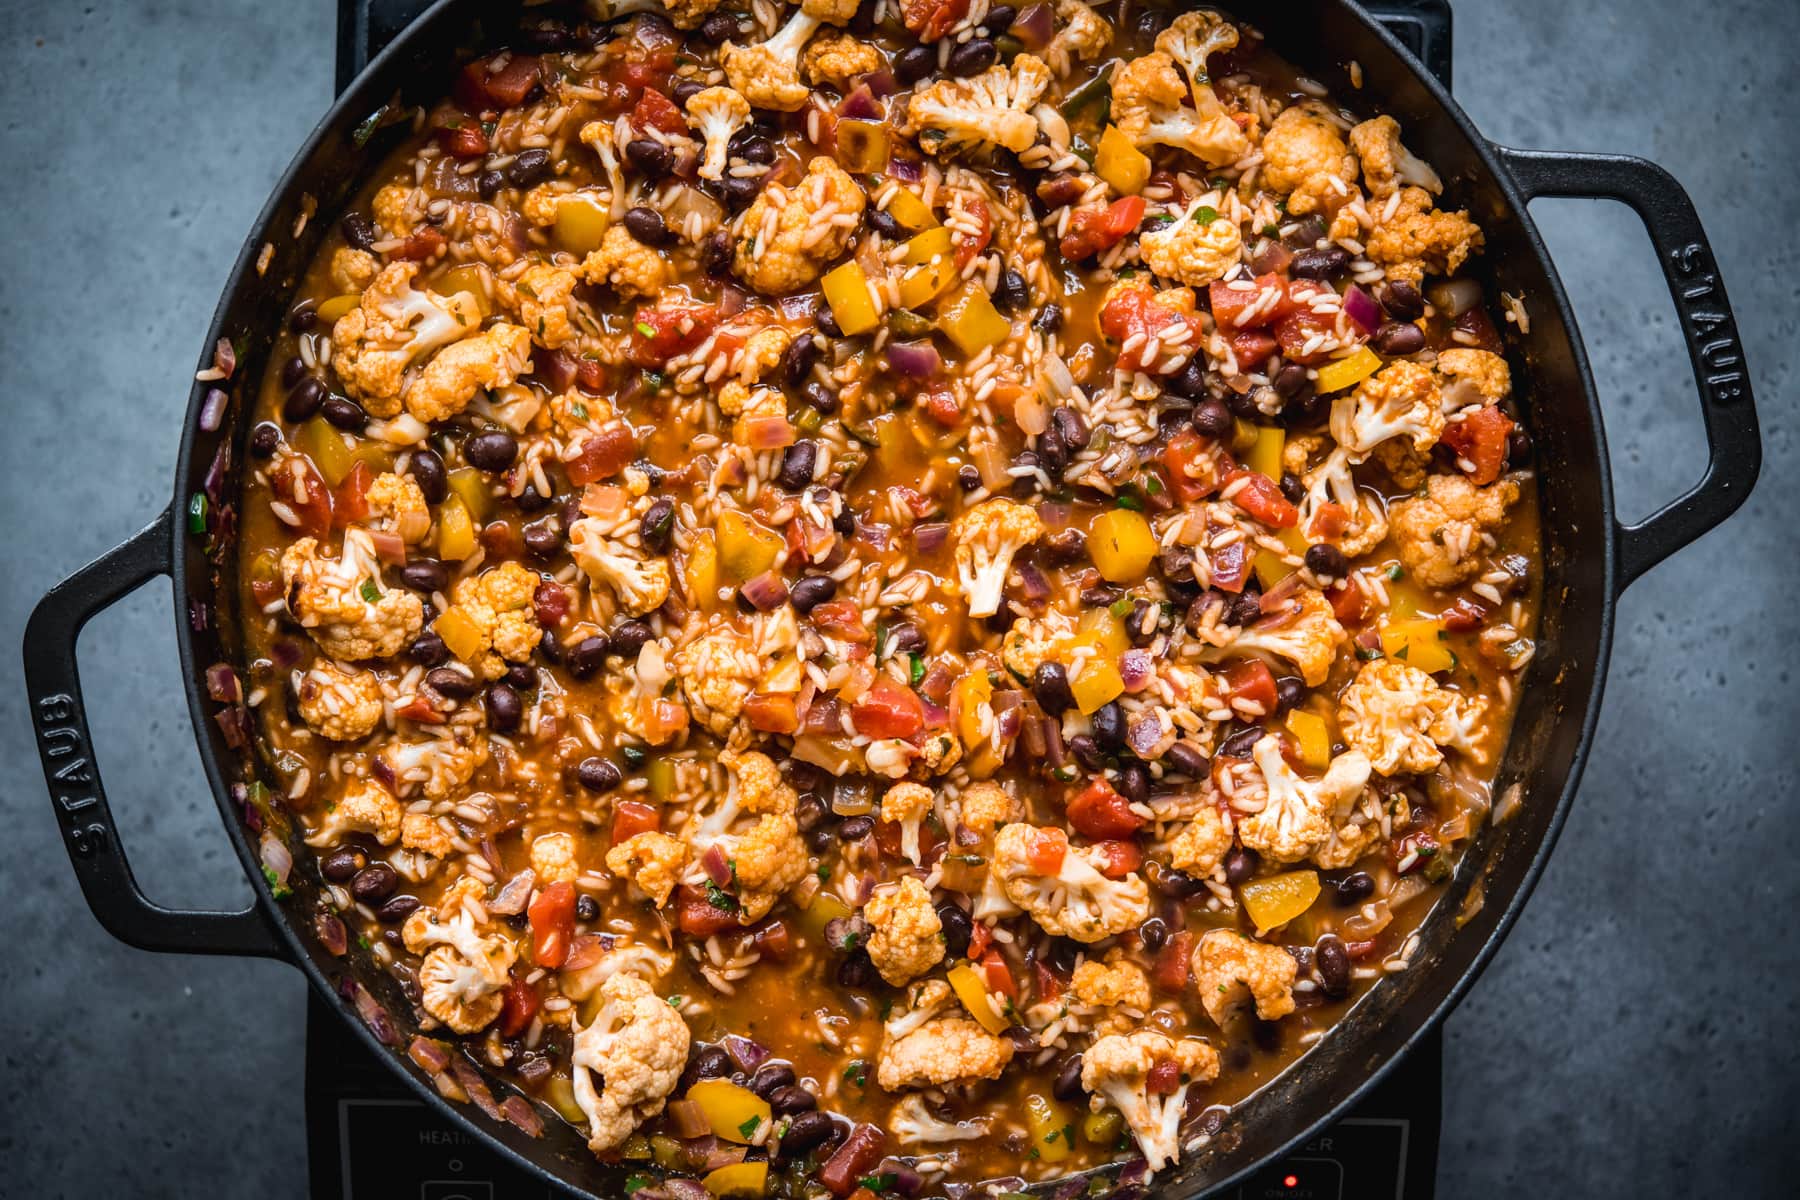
<point>1589,558</point>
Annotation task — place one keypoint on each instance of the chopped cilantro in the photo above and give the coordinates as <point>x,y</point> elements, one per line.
<point>719,898</point>
<point>677,1001</point>
<point>633,1183</point>
<point>1131,502</point>
<point>367,128</point>
<point>1395,572</point>
<point>824,872</point>
<point>645,329</point>
<point>748,1128</point>
<point>1121,607</point>
<point>916,671</point>
<point>857,1072</point>
<point>879,1183</point>
<point>197,513</point>
<point>369,592</point>
<point>1206,214</point>
<point>282,891</point>
<point>1271,230</point>
<point>578,410</point>
<point>633,755</point>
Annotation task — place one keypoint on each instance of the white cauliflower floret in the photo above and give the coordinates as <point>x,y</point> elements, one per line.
<point>1298,815</point>
<point>1418,240</point>
<point>1399,717</point>
<point>768,74</point>
<point>640,584</point>
<point>683,14</point>
<point>464,972</point>
<point>602,137</point>
<point>498,603</point>
<point>625,958</point>
<point>488,361</point>
<point>993,108</point>
<point>1147,107</point>
<point>392,327</point>
<point>1400,400</point>
<point>397,506</point>
<point>906,805</point>
<point>1386,164</point>
<point>1202,843</point>
<point>838,58</point>
<point>1305,156</point>
<point>1472,377</point>
<point>1191,250</point>
<point>718,671</point>
<point>1115,1070</point>
<point>768,857</point>
<point>1191,39</point>
<point>791,259</point>
<point>1440,533</point>
<point>1230,969</point>
<point>912,1123</point>
<point>543,296</point>
<point>716,113</point>
<point>1032,641</point>
<point>352,270</point>
<point>553,857</point>
<point>906,940</point>
<point>939,1052</point>
<point>652,860</point>
<point>987,537</point>
<point>1084,34</point>
<point>365,807</point>
<point>1363,523</point>
<point>339,704</point>
<point>630,268</point>
<point>636,1045</point>
<point>1309,638</point>
<point>343,603</point>
<point>437,766</point>
<point>1077,901</point>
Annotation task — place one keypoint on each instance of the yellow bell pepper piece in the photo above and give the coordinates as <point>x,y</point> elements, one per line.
<point>1102,1128</point>
<point>456,530</point>
<point>1243,435</point>
<point>581,222</point>
<point>847,291</point>
<point>925,283</point>
<point>1277,899</point>
<point>862,146</point>
<point>933,243</point>
<point>1095,682</point>
<point>1121,545</point>
<point>1121,163</point>
<point>738,1179</point>
<point>331,310</point>
<point>1099,626</point>
<point>1270,567</point>
<point>327,448</point>
<point>824,908</point>
<point>966,982</point>
<point>1051,1125</point>
<point>465,279</point>
<point>784,678</point>
<point>746,548</point>
<point>560,1092</point>
<point>1265,454</point>
<point>973,694</point>
<point>1405,600</point>
<point>1354,367</point>
<point>701,572</point>
<point>970,319</point>
<point>735,1113</point>
<point>460,633</point>
<point>467,483</point>
<point>1313,738</point>
<point>912,212</point>
<point>1419,642</point>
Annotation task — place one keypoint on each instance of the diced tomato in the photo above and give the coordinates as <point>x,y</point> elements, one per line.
<point>940,403</point>
<point>632,817</point>
<point>659,334</point>
<point>1170,971</point>
<point>1465,616</point>
<point>1044,980</point>
<point>1251,347</point>
<point>1329,522</point>
<point>649,57</point>
<point>296,476</point>
<point>979,938</point>
<point>517,1008</point>
<point>463,140</point>
<point>1118,858</point>
<point>696,914</point>
<point>602,455</point>
<point>1348,603</point>
<point>1163,1078</point>
<point>266,591</point>
<point>1230,299</point>
<point>968,247</point>
<point>1261,497</point>
<point>1294,331</point>
<point>1101,812</point>
<point>419,709</point>
<point>932,19</point>
<point>1231,567</point>
<point>1136,309</point>
<point>1045,850</point>
<point>840,618</point>
<point>590,375</point>
<point>1480,438</point>
<point>998,975</point>
<point>887,710</point>
<point>1192,464</point>
<point>656,111</point>
<point>550,603</point>
<point>1250,680</point>
<point>768,713</point>
<point>552,916</point>
<point>1095,230</point>
<point>426,243</point>
<point>479,88</point>
<point>350,499</point>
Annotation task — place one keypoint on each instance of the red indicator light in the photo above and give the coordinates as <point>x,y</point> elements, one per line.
<point>1291,1181</point>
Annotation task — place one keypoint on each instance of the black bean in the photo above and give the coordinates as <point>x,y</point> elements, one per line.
<point>812,591</point>
<point>543,538</point>
<point>1149,22</point>
<point>1354,888</point>
<point>1153,933</point>
<point>1289,691</point>
<point>358,230</point>
<point>1142,623</point>
<point>1397,339</point>
<point>265,439</point>
<point>1293,487</point>
<point>770,1078</point>
<point>1050,686</point>
<point>1073,428</point>
<point>844,521</point>
<point>304,316</point>
<point>704,1062</point>
<point>587,908</point>
<point>649,157</point>
<point>1012,294</point>
<point>427,469</point>
<point>797,465</point>
<point>804,1132</point>
<point>1068,1080</point>
<point>1332,962</point>
<point>792,1099</point>
<point>1305,233</point>
<point>1189,761</point>
<point>531,500</point>
<point>972,57</point>
<point>1190,381</point>
<point>293,371</point>
<point>448,681</point>
<point>1177,885</point>
<point>715,254</point>
<point>821,398</point>
<point>628,637</point>
<point>303,401</point>
<point>598,774</point>
<point>827,323</point>
<point>810,811</point>
<point>904,637</point>
<point>1239,744</point>
<point>428,649</point>
<point>586,656</point>
<point>718,27</point>
<point>1240,865</point>
<point>797,362</point>
<point>1327,561</point>
<point>1320,264</point>
<point>1053,452</point>
<point>753,144</point>
<point>374,883</point>
<point>1024,1041</point>
<point>1086,752</point>
<point>915,63</point>
<point>397,909</point>
<point>1518,446</point>
<point>504,708</point>
<point>344,413</point>
<point>1109,725</point>
<point>494,450</point>
<point>647,226</point>
<point>968,478</point>
<point>426,575</point>
<point>1134,782</point>
<point>1062,953</point>
<point>856,971</point>
<point>1245,608</point>
<point>1290,380</point>
<point>855,829</point>
<point>529,168</point>
<point>489,183</point>
<point>1064,547</point>
<point>1244,405</point>
<point>1402,301</point>
<point>1048,320</point>
<point>523,676</point>
<point>657,528</point>
<point>684,91</point>
<point>957,927</point>
<point>882,222</point>
<point>340,865</point>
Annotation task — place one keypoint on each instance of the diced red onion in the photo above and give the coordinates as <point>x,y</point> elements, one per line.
<point>286,653</point>
<point>1031,737</point>
<point>554,369</point>
<point>717,869</point>
<point>880,83</point>
<point>920,360</point>
<point>1033,583</point>
<point>878,536</point>
<point>936,715</point>
<point>1135,668</point>
<point>1361,308</point>
<point>222,684</point>
<point>1145,735</point>
<point>429,1053</point>
<point>197,614</point>
<point>1272,258</point>
<point>799,308</point>
<point>930,537</point>
<point>331,933</point>
<point>1055,753</point>
<point>375,1016</point>
<point>747,1054</point>
<point>234,723</point>
<point>472,1083</point>
<point>275,858</point>
<point>212,412</point>
<point>390,548</point>
<point>907,1180</point>
<point>1035,27</point>
<point>1275,600</point>
<point>586,950</point>
<point>723,1154</point>
<point>225,357</point>
<point>518,1110</point>
<point>860,105</point>
<point>767,433</point>
<point>766,593</point>
<point>907,170</point>
<point>514,895</point>
<point>687,1119</point>
<point>1054,514</point>
<point>731,300</point>
<point>852,1160</point>
<point>213,483</point>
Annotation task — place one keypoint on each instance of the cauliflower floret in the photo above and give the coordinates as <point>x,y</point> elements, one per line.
<point>1084,34</point>
<point>352,270</point>
<point>1400,400</point>
<point>1077,901</point>
<point>1361,524</point>
<point>1309,639</point>
<point>941,1051</point>
<point>787,258</point>
<point>343,603</point>
<point>462,977</point>
<point>625,958</point>
<point>768,74</point>
<point>993,108</point>
<point>1190,40</point>
<point>1399,717</point>
<point>339,704</point>
<point>438,766</point>
<point>1386,164</point>
<point>1033,641</point>
<point>683,14</point>
<point>1298,816</point>
<point>1472,377</point>
<point>538,206</point>
<point>768,859</point>
<point>602,137</point>
<point>397,506</point>
<point>426,834</point>
<point>365,807</point>
<point>761,354</point>
<point>837,58</point>
<point>394,211</point>
<point>906,805</point>
<point>905,942</point>
<point>716,113</point>
<point>1230,969</point>
<point>1418,240</point>
<point>553,857</point>
<point>1305,156</point>
<point>490,360</point>
<point>1147,107</point>
<point>542,297</point>
<point>1202,843</point>
<point>1440,532</point>
<point>626,265</point>
<point>499,605</point>
<point>718,671</point>
<point>986,806</point>
<point>652,860</point>
<point>391,328</point>
<point>640,584</point>
<point>637,1045</point>
<point>1193,251</point>
<point>1115,1070</point>
<point>987,537</point>
<point>1115,983</point>
<point>911,1122</point>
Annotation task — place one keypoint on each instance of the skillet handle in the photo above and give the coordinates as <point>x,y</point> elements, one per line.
<point>59,718</point>
<point>1734,445</point>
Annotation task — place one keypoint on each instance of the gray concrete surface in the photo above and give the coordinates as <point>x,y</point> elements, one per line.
<point>1636,1036</point>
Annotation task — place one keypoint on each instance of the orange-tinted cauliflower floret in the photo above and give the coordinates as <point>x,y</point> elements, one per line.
<point>812,222</point>
<point>1472,377</point>
<point>987,537</point>
<point>491,359</point>
<point>1440,532</point>
<point>986,806</point>
<point>768,73</point>
<point>716,114</point>
<point>639,584</point>
<point>1298,815</point>
<point>1084,34</point>
<point>1361,525</point>
<point>1230,969</point>
<point>1400,400</point>
<point>392,327</point>
<point>1148,108</point>
<point>1202,843</point>
<point>1386,164</point>
<point>553,857</point>
<point>340,704</point>
<point>940,1052</point>
<point>1116,1070</point>
<point>1115,983</point>
<point>437,766</point>
<point>352,270</point>
<point>1399,717</point>
<point>652,860</point>
<point>637,1045</point>
<point>397,506</point>
<point>464,973</point>
<point>718,671</point>
<point>1191,250</point>
<point>1309,639</point>
<point>365,807</point>
<point>1418,240</point>
<point>838,58</point>
<point>1077,901</point>
<point>906,805</point>
<point>992,109</point>
<point>343,603</point>
<point>626,265</point>
<point>1305,156</point>
<point>905,942</point>
<point>542,297</point>
<point>499,604</point>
